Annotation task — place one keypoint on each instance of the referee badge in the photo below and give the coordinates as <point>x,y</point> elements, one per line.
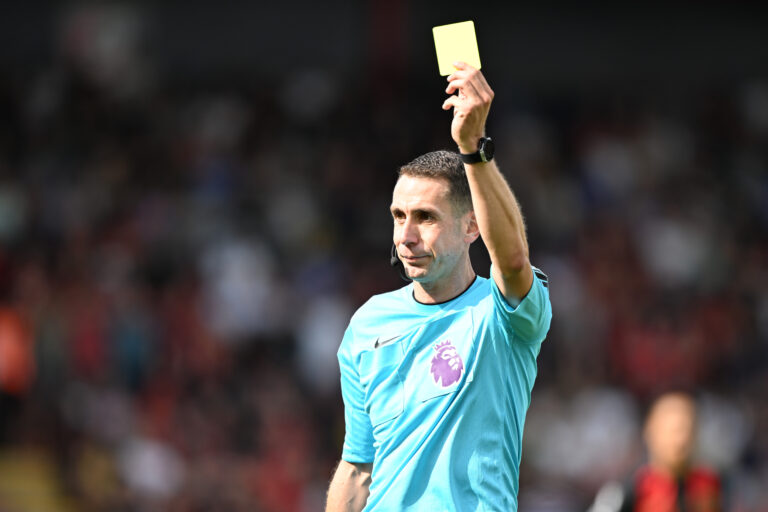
<point>447,366</point>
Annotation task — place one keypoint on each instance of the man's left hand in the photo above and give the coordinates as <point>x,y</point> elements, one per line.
<point>470,106</point>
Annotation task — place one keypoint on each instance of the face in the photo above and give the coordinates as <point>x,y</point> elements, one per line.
<point>431,239</point>
<point>670,432</point>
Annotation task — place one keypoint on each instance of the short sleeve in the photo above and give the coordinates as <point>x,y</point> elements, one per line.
<point>358,438</point>
<point>530,319</point>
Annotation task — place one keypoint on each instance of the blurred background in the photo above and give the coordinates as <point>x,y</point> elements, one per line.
<point>194,200</point>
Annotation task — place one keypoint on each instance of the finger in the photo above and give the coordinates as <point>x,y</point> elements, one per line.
<point>473,77</point>
<point>459,73</point>
<point>480,85</point>
<point>466,87</point>
<point>483,86</point>
<point>459,82</point>
<point>460,64</point>
<point>454,85</point>
<point>450,102</point>
<point>471,90</point>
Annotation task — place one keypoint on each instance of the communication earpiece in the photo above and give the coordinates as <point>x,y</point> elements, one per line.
<point>395,262</point>
<point>393,259</point>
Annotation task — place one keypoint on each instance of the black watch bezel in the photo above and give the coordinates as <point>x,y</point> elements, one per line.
<point>484,153</point>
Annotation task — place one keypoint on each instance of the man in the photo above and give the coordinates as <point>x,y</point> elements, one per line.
<point>437,376</point>
<point>669,482</point>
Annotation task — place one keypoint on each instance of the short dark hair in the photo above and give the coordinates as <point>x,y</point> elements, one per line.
<point>446,165</point>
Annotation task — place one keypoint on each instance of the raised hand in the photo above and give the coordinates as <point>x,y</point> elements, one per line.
<point>470,105</point>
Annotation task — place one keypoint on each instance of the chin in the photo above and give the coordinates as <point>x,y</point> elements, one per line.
<point>417,274</point>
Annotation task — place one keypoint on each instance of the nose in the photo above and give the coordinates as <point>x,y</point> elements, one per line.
<point>406,233</point>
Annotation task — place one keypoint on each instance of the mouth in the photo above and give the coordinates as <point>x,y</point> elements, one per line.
<point>413,259</point>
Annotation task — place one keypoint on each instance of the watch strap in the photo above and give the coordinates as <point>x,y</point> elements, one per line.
<point>479,155</point>
<point>471,158</point>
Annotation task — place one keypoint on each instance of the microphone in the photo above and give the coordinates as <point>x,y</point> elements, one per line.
<point>395,262</point>
<point>393,259</point>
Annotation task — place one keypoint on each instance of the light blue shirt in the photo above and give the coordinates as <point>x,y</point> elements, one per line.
<point>436,395</point>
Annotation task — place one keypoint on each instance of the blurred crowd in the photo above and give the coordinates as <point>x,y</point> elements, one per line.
<point>178,262</point>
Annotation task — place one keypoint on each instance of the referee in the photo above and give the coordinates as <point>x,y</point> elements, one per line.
<point>436,377</point>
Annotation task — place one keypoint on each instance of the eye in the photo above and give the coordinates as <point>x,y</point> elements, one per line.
<point>427,217</point>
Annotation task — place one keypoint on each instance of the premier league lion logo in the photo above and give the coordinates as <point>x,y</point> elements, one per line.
<point>447,365</point>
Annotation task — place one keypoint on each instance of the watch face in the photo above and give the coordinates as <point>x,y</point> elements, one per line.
<point>487,149</point>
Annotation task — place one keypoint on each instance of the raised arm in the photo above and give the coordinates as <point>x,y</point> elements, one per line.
<point>497,211</point>
<point>348,491</point>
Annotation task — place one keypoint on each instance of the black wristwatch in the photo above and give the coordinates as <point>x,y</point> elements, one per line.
<point>485,151</point>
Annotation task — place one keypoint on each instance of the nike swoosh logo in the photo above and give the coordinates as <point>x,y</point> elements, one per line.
<point>380,342</point>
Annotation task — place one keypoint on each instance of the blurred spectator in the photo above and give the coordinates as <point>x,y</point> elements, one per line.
<point>670,481</point>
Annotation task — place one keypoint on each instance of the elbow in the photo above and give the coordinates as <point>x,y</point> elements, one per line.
<point>359,472</point>
<point>513,265</point>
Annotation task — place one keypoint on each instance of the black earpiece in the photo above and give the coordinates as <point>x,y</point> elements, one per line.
<point>395,262</point>
<point>393,259</point>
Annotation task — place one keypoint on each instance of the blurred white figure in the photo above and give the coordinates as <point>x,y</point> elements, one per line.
<point>318,334</point>
<point>151,469</point>
<point>723,431</point>
<point>675,251</point>
<point>589,439</point>
<point>104,41</point>
<point>241,296</point>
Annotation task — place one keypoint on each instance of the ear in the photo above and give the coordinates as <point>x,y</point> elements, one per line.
<point>471,230</point>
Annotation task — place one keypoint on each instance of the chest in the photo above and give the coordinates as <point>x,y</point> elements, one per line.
<point>656,493</point>
<point>413,373</point>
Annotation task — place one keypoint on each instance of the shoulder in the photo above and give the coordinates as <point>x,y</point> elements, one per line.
<point>527,320</point>
<point>704,477</point>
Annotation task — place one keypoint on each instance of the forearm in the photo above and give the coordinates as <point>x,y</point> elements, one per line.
<point>498,215</point>
<point>348,491</point>
<point>502,227</point>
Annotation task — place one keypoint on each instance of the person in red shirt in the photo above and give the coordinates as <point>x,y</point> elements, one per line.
<point>669,481</point>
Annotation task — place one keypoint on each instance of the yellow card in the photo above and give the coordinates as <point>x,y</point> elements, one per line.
<point>454,42</point>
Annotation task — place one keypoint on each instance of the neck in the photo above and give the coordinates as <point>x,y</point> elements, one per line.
<point>673,471</point>
<point>445,289</point>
